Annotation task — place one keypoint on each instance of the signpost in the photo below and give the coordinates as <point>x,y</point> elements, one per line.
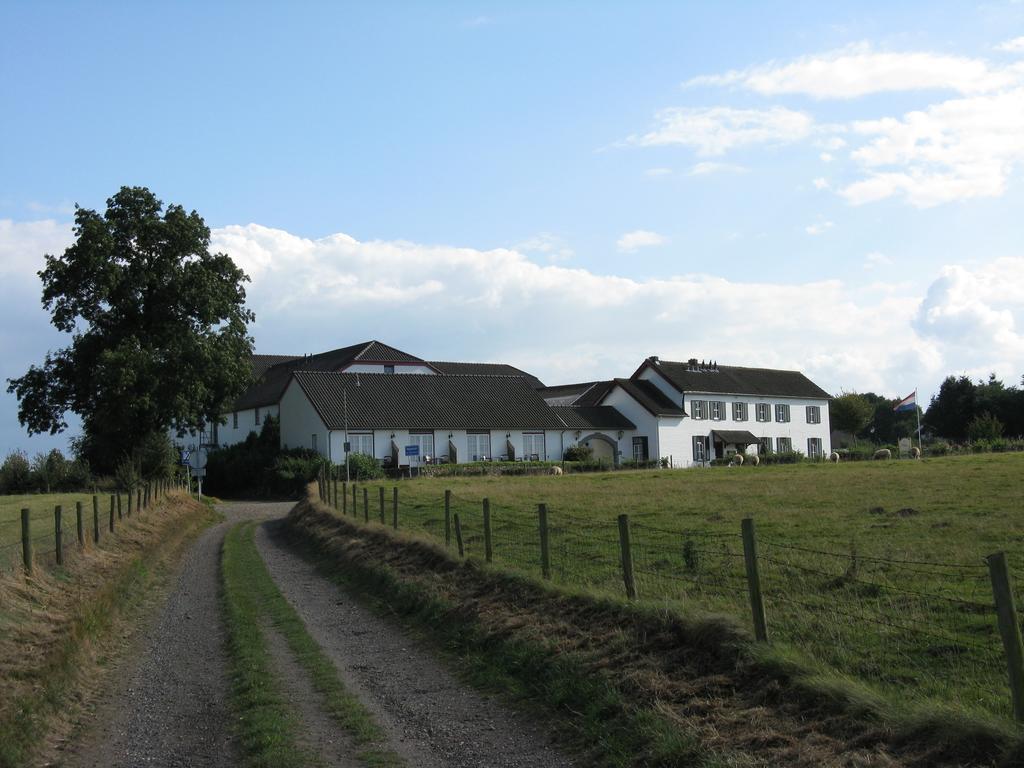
<point>197,465</point>
<point>411,451</point>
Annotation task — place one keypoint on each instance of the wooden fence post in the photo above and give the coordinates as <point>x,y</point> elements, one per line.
<point>138,500</point>
<point>394,507</point>
<point>1009,628</point>
<point>626,552</point>
<point>447,518</point>
<point>458,535</point>
<point>383,519</point>
<point>545,549</point>
<point>335,472</point>
<point>26,539</point>
<point>79,524</point>
<point>128,497</point>
<point>95,519</point>
<point>754,580</point>
<point>118,495</point>
<point>488,549</point>
<point>355,509</point>
<point>366,504</point>
<point>112,512</point>
<point>344,497</point>
<point>58,534</point>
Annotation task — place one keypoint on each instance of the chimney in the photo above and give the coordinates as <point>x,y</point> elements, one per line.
<point>654,359</point>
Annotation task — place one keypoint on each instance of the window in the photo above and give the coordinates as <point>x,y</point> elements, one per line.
<point>814,447</point>
<point>313,442</point>
<point>764,412</point>
<point>781,412</point>
<point>215,436</point>
<point>699,409</point>
<point>701,449</point>
<point>717,410</point>
<point>764,445</point>
<point>257,417</point>
<point>478,446</point>
<point>234,420</point>
<point>425,440</point>
<point>640,449</point>
<point>533,446</point>
<point>784,445</point>
<point>739,411</point>
<point>361,443</point>
<point>389,369</point>
<point>813,414</point>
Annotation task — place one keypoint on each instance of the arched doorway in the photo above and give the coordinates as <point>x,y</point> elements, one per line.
<point>602,448</point>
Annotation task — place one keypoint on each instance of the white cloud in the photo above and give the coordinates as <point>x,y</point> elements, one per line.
<point>639,238</point>
<point>716,130</point>
<point>706,168</point>
<point>658,172</point>
<point>826,157</point>
<point>876,259</point>
<point>820,183</point>
<point>977,312</point>
<point>477,21</point>
<point>954,150</point>
<point>1016,45</point>
<point>552,246</point>
<point>819,228</point>
<point>859,71</point>
<point>23,244</point>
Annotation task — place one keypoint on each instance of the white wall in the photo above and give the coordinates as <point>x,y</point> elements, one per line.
<point>300,421</point>
<point>646,423</point>
<point>227,434</point>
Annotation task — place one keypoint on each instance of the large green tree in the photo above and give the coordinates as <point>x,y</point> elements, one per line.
<point>850,412</point>
<point>158,329</point>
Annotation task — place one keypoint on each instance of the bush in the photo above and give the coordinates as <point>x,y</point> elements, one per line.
<point>362,467</point>
<point>578,452</point>
<point>784,457</point>
<point>984,427</point>
<point>15,473</point>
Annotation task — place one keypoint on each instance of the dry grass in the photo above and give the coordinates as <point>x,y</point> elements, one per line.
<point>56,624</point>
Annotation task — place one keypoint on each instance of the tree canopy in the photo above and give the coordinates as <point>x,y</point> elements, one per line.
<point>158,329</point>
<point>960,403</point>
<point>850,412</point>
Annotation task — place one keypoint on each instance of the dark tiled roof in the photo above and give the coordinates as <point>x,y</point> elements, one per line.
<point>650,397</point>
<point>267,390</point>
<point>735,436</point>
<point>592,417</point>
<point>426,401</point>
<point>484,369</point>
<point>734,380</point>
<point>567,394</point>
<point>260,363</point>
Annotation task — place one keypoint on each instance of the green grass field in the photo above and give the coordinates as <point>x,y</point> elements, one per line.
<point>42,522</point>
<point>875,570</point>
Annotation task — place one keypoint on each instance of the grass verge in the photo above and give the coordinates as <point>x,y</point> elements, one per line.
<point>267,728</point>
<point>644,685</point>
<point>57,627</point>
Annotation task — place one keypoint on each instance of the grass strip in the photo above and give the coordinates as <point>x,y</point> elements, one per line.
<point>121,597</point>
<point>251,594</point>
<point>589,712</point>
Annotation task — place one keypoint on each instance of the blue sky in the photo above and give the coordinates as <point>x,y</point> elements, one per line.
<point>566,187</point>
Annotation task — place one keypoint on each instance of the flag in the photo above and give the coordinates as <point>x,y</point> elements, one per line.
<point>908,403</point>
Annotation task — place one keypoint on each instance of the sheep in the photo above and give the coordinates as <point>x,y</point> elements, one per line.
<point>915,452</point>
<point>754,460</point>
<point>883,453</point>
<point>738,459</point>
<point>556,470</point>
<point>834,457</point>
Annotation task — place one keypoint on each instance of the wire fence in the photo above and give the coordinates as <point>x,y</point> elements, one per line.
<point>919,627</point>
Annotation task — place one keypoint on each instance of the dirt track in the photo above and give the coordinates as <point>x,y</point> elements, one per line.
<point>166,704</point>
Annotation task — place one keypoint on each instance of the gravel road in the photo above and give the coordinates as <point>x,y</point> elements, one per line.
<point>432,719</point>
<point>169,708</point>
<point>166,704</point>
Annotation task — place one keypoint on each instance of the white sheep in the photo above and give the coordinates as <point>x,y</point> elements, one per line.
<point>883,453</point>
<point>834,457</point>
<point>556,470</point>
<point>915,452</point>
<point>754,460</point>
<point>738,459</point>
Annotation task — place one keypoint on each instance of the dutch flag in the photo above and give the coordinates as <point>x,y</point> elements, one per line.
<point>908,403</point>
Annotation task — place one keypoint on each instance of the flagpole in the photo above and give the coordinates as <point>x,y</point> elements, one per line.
<point>917,408</point>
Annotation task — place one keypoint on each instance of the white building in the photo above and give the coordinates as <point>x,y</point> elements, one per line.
<point>379,400</point>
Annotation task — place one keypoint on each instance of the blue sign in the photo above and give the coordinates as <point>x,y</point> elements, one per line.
<point>412,450</point>
<point>184,456</point>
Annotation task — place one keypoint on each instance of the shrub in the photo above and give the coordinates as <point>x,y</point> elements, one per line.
<point>578,452</point>
<point>938,449</point>
<point>985,426</point>
<point>15,473</point>
<point>783,457</point>
<point>362,467</point>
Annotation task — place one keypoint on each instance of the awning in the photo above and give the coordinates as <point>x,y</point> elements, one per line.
<point>734,436</point>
